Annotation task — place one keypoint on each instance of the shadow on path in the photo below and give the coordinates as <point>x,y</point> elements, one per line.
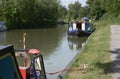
<point>113,66</point>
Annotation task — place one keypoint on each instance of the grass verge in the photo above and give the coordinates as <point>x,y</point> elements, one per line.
<point>96,55</point>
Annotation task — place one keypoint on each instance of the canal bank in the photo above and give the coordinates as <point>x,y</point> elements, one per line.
<point>68,67</point>
<point>96,55</point>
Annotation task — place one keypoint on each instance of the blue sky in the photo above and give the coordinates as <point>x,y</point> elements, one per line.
<point>66,2</point>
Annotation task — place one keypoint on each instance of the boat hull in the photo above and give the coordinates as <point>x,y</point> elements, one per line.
<point>79,33</point>
<point>4,29</point>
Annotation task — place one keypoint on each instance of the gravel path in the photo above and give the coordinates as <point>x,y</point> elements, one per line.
<point>115,49</point>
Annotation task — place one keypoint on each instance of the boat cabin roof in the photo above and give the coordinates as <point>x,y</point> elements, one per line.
<point>85,18</point>
<point>1,47</point>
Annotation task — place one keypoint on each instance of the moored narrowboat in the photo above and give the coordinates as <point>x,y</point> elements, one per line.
<point>81,28</point>
<point>3,26</point>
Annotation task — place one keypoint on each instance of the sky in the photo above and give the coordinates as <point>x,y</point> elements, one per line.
<point>66,2</point>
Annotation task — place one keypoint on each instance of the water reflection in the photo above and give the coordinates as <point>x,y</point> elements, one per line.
<point>43,39</point>
<point>76,43</point>
<point>2,36</point>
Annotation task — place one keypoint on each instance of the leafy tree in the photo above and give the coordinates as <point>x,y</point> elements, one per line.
<point>112,6</point>
<point>84,12</point>
<point>96,9</point>
<point>74,9</point>
<point>29,13</point>
<point>63,12</point>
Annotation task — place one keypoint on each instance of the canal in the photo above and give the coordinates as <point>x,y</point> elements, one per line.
<point>57,47</point>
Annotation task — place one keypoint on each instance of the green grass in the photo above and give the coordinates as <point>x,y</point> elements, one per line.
<point>95,54</point>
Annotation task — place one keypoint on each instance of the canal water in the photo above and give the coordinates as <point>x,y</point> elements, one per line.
<point>57,47</point>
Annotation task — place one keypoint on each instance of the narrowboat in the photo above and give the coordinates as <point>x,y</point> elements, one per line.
<point>3,26</point>
<point>81,28</point>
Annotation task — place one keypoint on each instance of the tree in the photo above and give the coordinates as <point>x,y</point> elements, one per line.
<point>63,12</point>
<point>112,6</point>
<point>96,9</point>
<point>84,11</point>
<point>29,13</point>
<point>73,12</point>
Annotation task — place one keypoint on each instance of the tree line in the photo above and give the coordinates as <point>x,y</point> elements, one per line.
<point>33,13</point>
<point>94,9</point>
<point>29,13</point>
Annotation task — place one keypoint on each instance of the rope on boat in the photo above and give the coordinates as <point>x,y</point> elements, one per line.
<point>53,73</point>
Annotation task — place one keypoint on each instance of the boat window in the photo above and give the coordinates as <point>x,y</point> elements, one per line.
<point>39,66</point>
<point>74,26</point>
<point>79,25</point>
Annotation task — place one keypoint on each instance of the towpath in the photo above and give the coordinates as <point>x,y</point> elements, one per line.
<point>115,49</point>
